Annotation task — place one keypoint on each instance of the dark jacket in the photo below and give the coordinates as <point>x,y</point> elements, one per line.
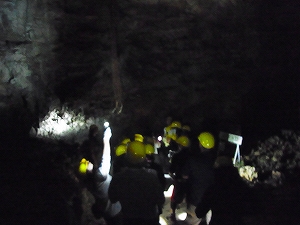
<point>178,162</point>
<point>159,171</point>
<point>139,192</point>
<point>199,170</point>
<point>227,198</point>
<point>92,150</point>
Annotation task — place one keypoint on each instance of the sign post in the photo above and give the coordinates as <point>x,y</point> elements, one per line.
<point>235,139</point>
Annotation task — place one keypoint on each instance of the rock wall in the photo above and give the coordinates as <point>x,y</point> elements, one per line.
<point>197,60</point>
<point>27,64</point>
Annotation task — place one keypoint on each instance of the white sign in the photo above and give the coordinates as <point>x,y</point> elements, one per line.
<point>235,139</point>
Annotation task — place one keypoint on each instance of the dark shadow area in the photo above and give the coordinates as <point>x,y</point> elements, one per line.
<point>35,186</point>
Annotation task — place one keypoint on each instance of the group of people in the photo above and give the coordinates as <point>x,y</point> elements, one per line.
<point>205,176</point>
<point>132,191</point>
<point>190,167</point>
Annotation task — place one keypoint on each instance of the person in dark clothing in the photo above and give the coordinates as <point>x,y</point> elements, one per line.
<point>168,143</point>
<point>175,171</point>
<point>165,154</point>
<point>137,188</point>
<point>92,148</point>
<point>149,149</point>
<point>119,163</point>
<point>198,174</point>
<point>227,197</point>
<point>119,160</point>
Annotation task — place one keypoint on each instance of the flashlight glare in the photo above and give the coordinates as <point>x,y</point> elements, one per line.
<point>169,192</point>
<point>182,216</point>
<point>162,221</point>
<point>90,166</point>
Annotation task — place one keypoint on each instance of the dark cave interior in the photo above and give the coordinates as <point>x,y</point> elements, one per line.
<point>217,65</point>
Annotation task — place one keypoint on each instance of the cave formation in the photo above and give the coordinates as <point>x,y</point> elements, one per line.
<point>228,65</point>
<point>135,62</point>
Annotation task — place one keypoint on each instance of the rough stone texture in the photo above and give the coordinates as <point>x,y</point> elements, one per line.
<point>27,62</point>
<point>199,60</point>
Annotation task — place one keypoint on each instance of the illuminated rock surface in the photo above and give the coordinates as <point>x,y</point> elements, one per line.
<point>232,62</point>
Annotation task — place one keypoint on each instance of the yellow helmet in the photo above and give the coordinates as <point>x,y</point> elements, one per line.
<point>149,149</point>
<point>207,140</point>
<point>83,166</point>
<point>138,137</point>
<point>175,124</point>
<point>121,149</point>
<point>125,141</point>
<point>183,141</point>
<point>136,152</point>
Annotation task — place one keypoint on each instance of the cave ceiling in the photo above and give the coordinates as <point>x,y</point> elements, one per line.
<point>137,61</point>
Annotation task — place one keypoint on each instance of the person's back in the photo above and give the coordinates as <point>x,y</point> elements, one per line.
<point>119,157</point>
<point>199,168</point>
<point>137,189</point>
<point>151,164</point>
<point>169,145</point>
<point>198,173</point>
<point>92,148</point>
<point>178,162</point>
<point>118,164</point>
<point>139,192</point>
<point>226,197</point>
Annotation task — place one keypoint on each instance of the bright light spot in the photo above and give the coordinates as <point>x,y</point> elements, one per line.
<point>106,124</point>
<point>90,166</point>
<point>106,157</point>
<point>182,216</point>
<point>169,192</point>
<point>167,176</point>
<point>107,134</point>
<point>162,221</point>
<point>159,138</point>
<point>208,216</point>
